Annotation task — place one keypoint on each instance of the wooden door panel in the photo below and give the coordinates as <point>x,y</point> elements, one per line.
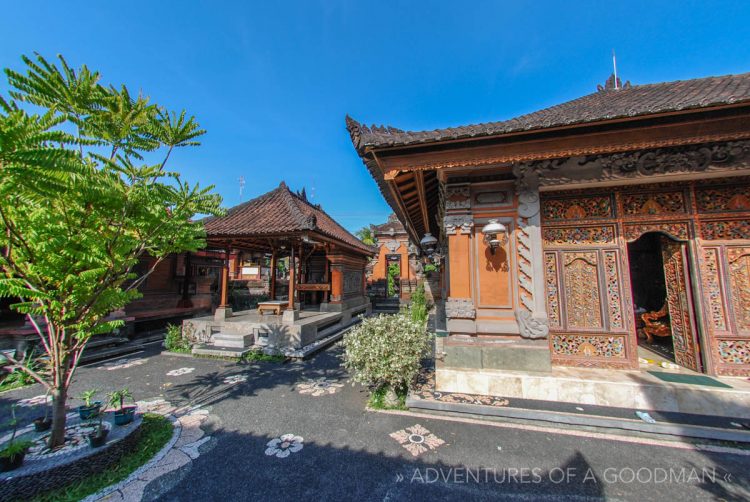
<point>679,302</point>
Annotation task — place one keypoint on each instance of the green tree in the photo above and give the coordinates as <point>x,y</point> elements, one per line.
<point>365,235</point>
<point>80,207</point>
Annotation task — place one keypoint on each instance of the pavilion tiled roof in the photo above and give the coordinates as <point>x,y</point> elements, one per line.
<point>279,211</point>
<point>605,104</point>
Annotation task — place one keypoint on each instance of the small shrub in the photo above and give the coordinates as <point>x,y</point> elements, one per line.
<point>418,309</point>
<point>385,351</point>
<point>430,268</point>
<point>174,341</point>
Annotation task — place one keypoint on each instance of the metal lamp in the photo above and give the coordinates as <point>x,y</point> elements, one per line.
<point>428,243</point>
<point>494,234</point>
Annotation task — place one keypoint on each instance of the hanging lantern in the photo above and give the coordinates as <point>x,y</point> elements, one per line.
<point>494,235</point>
<point>428,243</point>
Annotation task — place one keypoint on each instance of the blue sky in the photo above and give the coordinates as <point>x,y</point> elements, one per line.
<point>272,81</point>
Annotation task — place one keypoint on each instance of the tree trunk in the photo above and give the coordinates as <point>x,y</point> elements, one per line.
<point>59,397</point>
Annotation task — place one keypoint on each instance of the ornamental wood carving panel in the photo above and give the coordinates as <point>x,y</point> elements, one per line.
<point>677,229</point>
<point>614,295</point>
<point>723,199</point>
<point>725,230</point>
<point>582,297</point>
<point>553,290</point>
<point>579,208</point>
<point>739,280</point>
<point>712,288</point>
<point>560,236</point>
<point>657,203</point>
<point>734,352</point>
<point>678,301</point>
<point>588,345</point>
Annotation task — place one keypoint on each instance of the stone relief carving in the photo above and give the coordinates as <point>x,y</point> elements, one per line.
<point>633,165</point>
<point>532,326</point>
<point>352,282</point>
<point>392,246</point>
<point>460,308</point>
<point>464,222</point>
<point>525,271</point>
<point>457,197</point>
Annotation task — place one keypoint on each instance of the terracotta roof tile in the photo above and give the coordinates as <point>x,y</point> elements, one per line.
<point>606,104</point>
<point>279,212</point>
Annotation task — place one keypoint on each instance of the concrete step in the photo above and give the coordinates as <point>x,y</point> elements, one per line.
<point>632,389</point>
<point>219,351</point>
<point>674,425</point>
<point>233,340</point>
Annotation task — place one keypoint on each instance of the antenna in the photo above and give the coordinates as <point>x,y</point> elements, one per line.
<point>241,181</point>
<point>614,65</point>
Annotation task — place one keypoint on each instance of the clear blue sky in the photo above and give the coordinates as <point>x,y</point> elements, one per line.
<point>272,81</point>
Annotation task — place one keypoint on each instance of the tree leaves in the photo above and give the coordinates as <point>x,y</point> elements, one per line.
<point>79,207</point>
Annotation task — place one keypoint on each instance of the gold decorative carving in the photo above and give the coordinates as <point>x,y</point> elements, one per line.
<point>582,298</point>
<point>739,280</point>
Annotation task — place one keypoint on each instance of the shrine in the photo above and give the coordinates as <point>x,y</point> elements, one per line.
<point>588,234</point>
<point>321,290</point>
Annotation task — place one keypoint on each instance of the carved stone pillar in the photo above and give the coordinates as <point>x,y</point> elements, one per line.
<point>532,312</point>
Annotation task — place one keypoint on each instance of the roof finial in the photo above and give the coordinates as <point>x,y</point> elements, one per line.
<point>614,65</point>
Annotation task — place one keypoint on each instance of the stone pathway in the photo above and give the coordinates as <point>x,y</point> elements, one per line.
<point>188,442</point>
<point>299,431</point>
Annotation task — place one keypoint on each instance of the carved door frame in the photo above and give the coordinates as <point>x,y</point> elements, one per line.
<point>688,308</point>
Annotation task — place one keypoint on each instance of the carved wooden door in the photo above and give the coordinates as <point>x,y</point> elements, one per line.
<point>680,304</point>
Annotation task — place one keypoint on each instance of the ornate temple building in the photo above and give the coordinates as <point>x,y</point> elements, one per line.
<point>394,250</point>
<point>580,234</point>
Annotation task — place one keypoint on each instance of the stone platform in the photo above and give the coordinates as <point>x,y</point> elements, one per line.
<point>289,333</point>
<point>635,389</point>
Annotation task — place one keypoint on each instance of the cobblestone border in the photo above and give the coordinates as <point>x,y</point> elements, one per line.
<point>182,448</point>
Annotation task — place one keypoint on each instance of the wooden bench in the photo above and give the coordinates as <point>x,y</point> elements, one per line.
<point>277,306</point>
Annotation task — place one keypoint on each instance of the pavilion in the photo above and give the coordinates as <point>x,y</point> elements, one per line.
<point>326,283</point>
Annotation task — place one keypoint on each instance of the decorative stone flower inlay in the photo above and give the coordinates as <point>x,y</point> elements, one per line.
<point>235,379</point>
<point>284,445</point>
<point>34,401</point>
<point>180,371</point>
<point>417,440</point>
<point>319,387</point>
<point>121,364</point>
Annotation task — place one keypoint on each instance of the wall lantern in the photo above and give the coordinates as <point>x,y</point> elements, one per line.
<point>494,235</point>
<point>428,243</point>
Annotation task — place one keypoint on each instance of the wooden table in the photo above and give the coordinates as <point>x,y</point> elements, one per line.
<point>277,306</point>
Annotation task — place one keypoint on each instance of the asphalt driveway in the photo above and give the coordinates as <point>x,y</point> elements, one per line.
<point>337,450</point>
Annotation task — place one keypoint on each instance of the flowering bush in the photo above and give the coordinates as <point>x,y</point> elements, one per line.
<point>386,350</point>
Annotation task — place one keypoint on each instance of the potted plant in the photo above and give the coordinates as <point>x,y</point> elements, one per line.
<point>123,414</point>
<point>14,451</point>
<point>43,423</point>
<point>98,437</point>
<point>429,269</point>
<point>90,407</point>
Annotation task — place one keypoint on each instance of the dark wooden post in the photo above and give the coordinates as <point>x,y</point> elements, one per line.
<point>273,274</point>
<point>224,303</point>
<point>292,267</point>
<point>185,301</point>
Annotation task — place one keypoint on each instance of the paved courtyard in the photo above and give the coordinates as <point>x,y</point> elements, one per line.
<point>300,431</point>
